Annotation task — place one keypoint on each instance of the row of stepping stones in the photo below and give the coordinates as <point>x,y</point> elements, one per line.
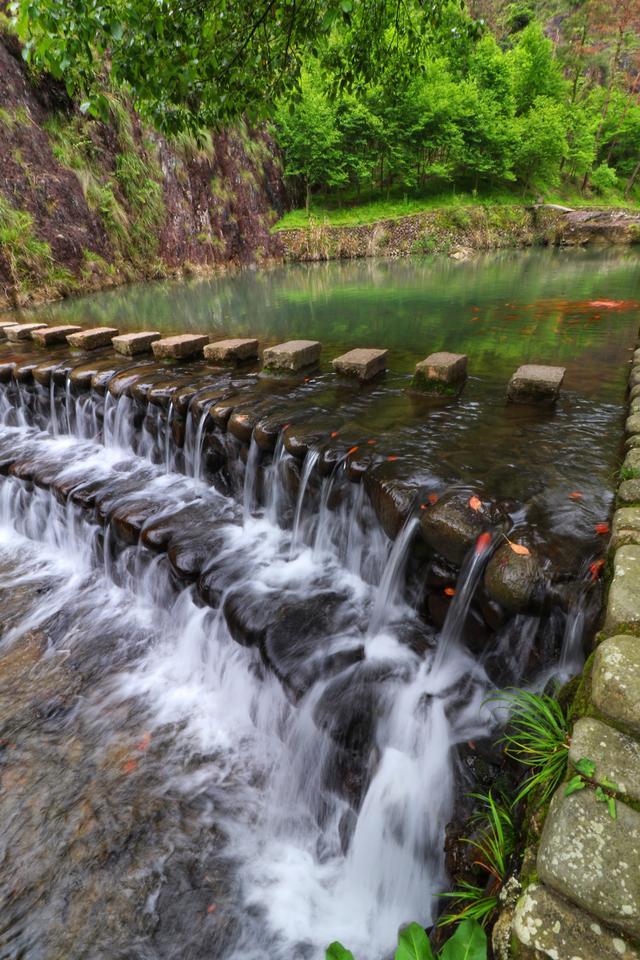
<point>440,372</point>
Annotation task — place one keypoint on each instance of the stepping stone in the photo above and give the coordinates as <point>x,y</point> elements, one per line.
<point>615,683</point>
<point>625,528</point>
<point>361,363</point>
<point>547,923</point>
<point>22,331</point>
<point>180,347</point>
<point>440,372</point>
<point>131,344</point>
<point>616,756</point>
<point>292,355</point>
<point>535,383</point>
<point>231,351</point>
<point>45,336</point>
<point>623,602</point>
<point>593,860</point>
<point>93,338</point>
<point>4,326</point>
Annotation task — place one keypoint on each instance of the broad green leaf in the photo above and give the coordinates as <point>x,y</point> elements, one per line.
<point>413,944</point>
<point>611,804</point>
<point>601,796</point>
<point>336,951</point>
<point>469,942</point>
<point>575,784</point>
<point>586,767</point>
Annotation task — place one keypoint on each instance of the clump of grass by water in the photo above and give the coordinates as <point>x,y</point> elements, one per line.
<point>537,736</point>
<point>31,263</point>
<point>494,846</point>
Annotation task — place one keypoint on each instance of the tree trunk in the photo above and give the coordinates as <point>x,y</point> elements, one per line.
<point>632,180</point>
<point>307,198</point>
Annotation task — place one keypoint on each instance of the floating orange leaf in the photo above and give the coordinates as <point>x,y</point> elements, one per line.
<point>391,459</point>
<point>602,528</point>
<point>333,434</point>
<point>576,495</point>
<point>433,498</point>
<point>352,450</point>
<point>475,503</point>
<point>129,766</point>
<point>520,549</point>
<point>449,591</point>
<point>212,908</point>
<point>423,506</point>
<point>372,443</point>
<point>145,740</point>
<point>596,569</point>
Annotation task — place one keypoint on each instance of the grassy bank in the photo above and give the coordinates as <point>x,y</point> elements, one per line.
<point>339,211</point>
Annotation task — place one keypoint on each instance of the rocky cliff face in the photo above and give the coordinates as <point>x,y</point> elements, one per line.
<point>85,204</point>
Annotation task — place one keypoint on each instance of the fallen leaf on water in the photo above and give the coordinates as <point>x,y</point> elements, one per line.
<point>449,591</point>
<point>351,450</point>
<point>596,569</point>
<point>145,740</point>
<point>333,434</point>
<point>520,549</point>
<point>602,528</point>
<point>372,443</point>
<point>391,458</point>
<point>475,503</point>
<point>212,908</point>
<point>306,379</point>
<point>607,304</point>
<point>576,495</point>
<point>129,766</point>
<point>433,498</point>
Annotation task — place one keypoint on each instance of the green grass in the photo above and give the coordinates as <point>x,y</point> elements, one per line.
<point>30,260</point>
<point>347,212</point>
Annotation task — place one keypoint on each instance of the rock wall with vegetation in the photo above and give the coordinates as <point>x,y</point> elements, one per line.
<point>86,203</point>
<point>581,881</point>
<point>460,230</point>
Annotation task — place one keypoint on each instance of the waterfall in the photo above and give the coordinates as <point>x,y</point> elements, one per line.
<point>387,595</point>
<point>250,479</point>
<point>309,463</point>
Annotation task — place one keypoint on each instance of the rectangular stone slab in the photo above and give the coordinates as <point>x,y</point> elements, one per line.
<point>131,344</point>
<point>443,367</point>
<point>45,336</point>
<point>535,382</point>
<point>615,682</point>
<point>183,346</point>
<point>232,351</point>
<point>3,329</point>
<point>549,924</point>
<point>623,601</point>
<point>616,756</point>
<point>292,355</point>
<point>362,363</point>
<point>593,860</point>
<point>93,338</point>
<point>22,331</point>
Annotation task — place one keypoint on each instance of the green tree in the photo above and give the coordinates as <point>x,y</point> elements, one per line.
<point>541,143</point>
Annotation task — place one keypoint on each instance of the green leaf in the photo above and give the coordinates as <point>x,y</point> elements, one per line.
<point>609,783</point>
<point>347,6</point>
<point>413,944</point>
<point>611,804</point>
<point>601,796</point>
<point>469,942</point>
<point>336,951</point>
<point>576,783</point>
<point>586,767</point>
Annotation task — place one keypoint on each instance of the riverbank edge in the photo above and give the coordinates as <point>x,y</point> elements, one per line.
<point>461,231</point>
<point>578,892</point>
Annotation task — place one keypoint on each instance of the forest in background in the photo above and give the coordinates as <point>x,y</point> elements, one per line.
<point>499,100</point>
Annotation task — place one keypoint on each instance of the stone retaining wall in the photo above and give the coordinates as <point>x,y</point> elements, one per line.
<point>459,231</point>
<point>585,901</point>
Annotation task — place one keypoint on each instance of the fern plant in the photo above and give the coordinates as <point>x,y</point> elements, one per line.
<point>537,736</point>
<point>469,942</point>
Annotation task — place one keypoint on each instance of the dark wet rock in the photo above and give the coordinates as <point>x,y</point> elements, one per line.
<point>6,370</point>
<point>214,456</point>
<point>128,520</point>
<point>512,580</point>
<point>268,429</point>
<point>23,372</point>
<point>440,573</point>
<point>243,420</point>
<point>294,644</point>
<point>36,471</point>
<point>360,463</point>
<point>159,531</point>
<point>139,389</point>
<point>81,374</point>
<point>43,372</point>
<point>330,457</point>
<point>450,527</point>
<point>392,499</point>
<point>121,382</point>
<point>221,410</point>
<point>348,707</point>
<point>192,551</point>
<point>493,613</point>
<point>298,440</point>
<point>247,617</point>
<point>162,393</point>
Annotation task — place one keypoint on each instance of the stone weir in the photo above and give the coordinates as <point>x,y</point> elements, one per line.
<point>274,441</point>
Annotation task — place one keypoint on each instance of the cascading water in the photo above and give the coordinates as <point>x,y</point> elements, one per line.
<point>322,753</point>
